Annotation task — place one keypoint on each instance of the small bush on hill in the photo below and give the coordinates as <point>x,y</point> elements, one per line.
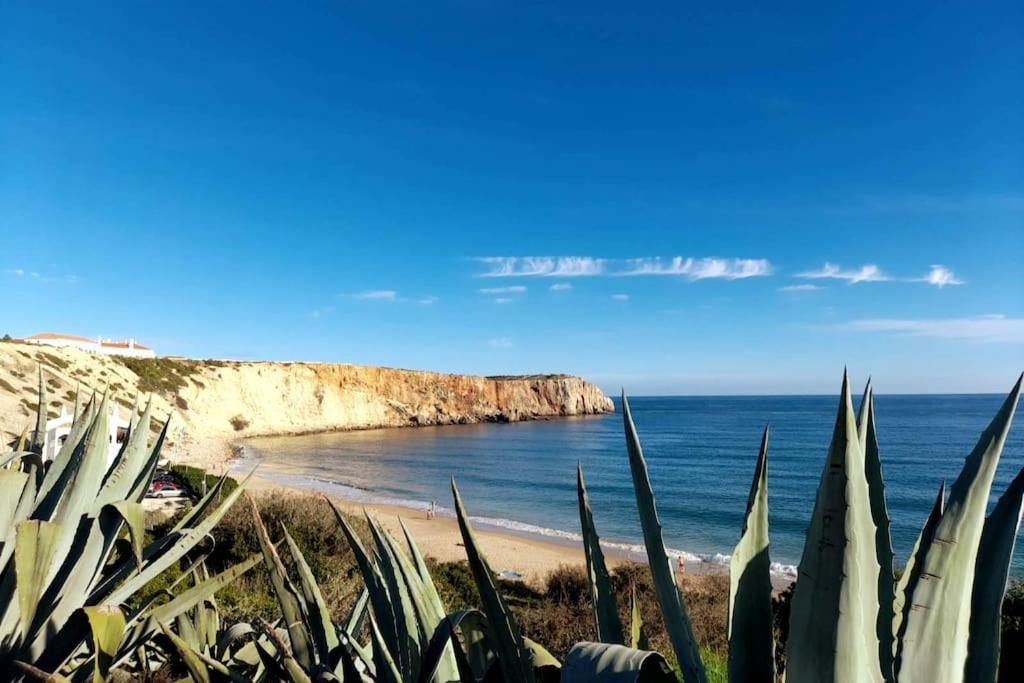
<point>159,375</point>
<point>239,423</point>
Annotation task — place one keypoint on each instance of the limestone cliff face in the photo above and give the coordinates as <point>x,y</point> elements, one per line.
<point>222,400</point>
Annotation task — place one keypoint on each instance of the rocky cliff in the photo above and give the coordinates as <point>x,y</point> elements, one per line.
<point>215,402</point>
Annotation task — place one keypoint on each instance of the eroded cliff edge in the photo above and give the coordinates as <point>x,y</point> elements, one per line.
<point>213,403</point>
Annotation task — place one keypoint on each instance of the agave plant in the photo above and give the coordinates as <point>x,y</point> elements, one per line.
<point>850,620</point>
<point>72,555</point>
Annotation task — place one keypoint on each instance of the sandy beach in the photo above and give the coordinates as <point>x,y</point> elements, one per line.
<point>510,555</point>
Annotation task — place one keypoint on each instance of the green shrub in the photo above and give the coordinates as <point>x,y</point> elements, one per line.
<point>199,481</point>
<point>159,375</point>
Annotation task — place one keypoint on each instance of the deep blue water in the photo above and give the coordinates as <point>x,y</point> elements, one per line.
<point>700,453</point>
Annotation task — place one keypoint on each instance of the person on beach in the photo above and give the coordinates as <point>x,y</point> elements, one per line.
<point>682,567</point>
<point>430,510</point>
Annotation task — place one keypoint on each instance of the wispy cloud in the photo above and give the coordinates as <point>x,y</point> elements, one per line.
<point>516,289</point>
<point>560,287</point>
<point>830,271</point>
<point>500,343</point>
<point>377,295</point>
<point>801,288</point>
<point>940,276</point>
<point>590,266</point>
<point>699,269</point>
<point>620,297</point>
<point>505,300</point>
<point>986,328</point>
<point>391,296</point>
<point>543,266</point>
<point>36,276</point>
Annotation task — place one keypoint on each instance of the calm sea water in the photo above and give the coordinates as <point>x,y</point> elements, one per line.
<point>700,453</point>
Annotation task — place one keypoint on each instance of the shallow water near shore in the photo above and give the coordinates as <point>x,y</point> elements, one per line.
<point>700,453</point>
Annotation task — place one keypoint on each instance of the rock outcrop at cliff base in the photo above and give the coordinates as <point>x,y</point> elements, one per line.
<point>219,401</point>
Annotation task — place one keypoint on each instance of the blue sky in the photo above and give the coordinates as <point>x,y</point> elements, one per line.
<point>645,191</point>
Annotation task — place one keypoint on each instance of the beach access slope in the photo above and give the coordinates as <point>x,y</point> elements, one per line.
<point>213,404</point>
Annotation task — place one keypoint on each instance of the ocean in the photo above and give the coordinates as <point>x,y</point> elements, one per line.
<point>700,452</point>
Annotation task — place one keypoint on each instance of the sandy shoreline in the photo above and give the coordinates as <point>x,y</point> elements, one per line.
<point>510,554</point>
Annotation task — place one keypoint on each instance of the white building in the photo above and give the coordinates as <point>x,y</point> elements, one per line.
<point>58,428</point>
<point>106,347</point>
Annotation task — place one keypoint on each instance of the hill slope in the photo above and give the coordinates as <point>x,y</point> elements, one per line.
<point>215,402</point>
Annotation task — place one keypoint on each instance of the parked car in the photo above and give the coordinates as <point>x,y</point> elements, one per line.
<point>166,489</point>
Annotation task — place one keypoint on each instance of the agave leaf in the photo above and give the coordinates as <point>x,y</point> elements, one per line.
<point>751,623</point>
<point>673,607</point>
<point>287,598</point>
<point>505,637</point>
<point>107,625</point>
<point>199,509</point>
<point>883,541</point>
<point>129,464</point>
<point>161,555</point>
<point>197,668</point>
<point>320,622</point>
<point>911,575</point>
<point>426,618</point>
<point>39,434</point>
<point>354,621</point>
<point>991,573</point>
<point>145,477</point>
<point>35,547</point>
<point>384,665</point>
<point>408,650</point>
<point>602,595</point>
<point>55,482</point>
<point>833,617</point>
<point>372,579</point>
<point>228,638</point>
<point>134,517</point>
<point>606,663</point>
<point>12,486</point>
<point>637,632</point>
<point>546,669</point>
<point>57,629</point>
<point>937,626</point>
<point>205,665</point>
<point>441,641</point>
<point>421,567</point>
<point>147,623</point>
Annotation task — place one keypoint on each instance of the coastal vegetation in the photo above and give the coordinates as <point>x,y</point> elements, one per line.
<point>278,588</point>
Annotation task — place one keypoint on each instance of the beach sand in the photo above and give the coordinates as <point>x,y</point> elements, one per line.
<point>517,555</point>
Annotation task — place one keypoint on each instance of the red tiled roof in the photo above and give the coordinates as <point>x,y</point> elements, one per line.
<point>55,335</point>
<point>43,336</point>
<point>124,345</point>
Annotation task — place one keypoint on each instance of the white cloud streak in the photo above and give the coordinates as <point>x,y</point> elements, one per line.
<point>377,295</point>
<point>560,287</point>
<point>542,266</point>
<point>940,276</point>
<point>39,277</point>
<point>500,343</point>
<point>589,266</point>
<point>620,297</point>
<point>699,269</point>
<point>866,273</point>
<point>801,288</point>
<point>986,328</point>
<point>516,289</point>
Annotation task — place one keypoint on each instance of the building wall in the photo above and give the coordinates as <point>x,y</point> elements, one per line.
<point>95,347</point>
